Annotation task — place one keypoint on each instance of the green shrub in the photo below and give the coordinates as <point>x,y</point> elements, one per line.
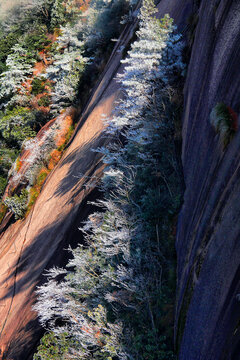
<point>68,136</point>
<point>37,40</point>
<point>3,183</point>
<point>7,158</point>
<point>52,347</point>
<point>44,101</point>
<point>6,44</point>
<point>41,178</point>
<point>38,85</point>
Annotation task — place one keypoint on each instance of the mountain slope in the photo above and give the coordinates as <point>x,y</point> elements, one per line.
<point>29,246</point>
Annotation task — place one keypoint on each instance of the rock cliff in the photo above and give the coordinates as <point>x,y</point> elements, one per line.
<point>207,320</point>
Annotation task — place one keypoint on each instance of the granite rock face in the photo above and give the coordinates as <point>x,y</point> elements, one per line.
<point>208,246</point>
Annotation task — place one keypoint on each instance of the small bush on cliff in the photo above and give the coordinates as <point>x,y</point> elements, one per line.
<point>224,121</point>
<point>38,85</point>
<point>18,204</point>
<point>52,347</point>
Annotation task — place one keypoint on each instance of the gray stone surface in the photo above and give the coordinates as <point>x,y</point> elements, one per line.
<point>208,243</point>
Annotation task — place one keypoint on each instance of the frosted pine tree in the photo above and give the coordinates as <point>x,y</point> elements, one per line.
<point>57,14</point>
<point>68,64</point>
<point>16,125</point>
<point>20,66</point>
<point>153,59</point>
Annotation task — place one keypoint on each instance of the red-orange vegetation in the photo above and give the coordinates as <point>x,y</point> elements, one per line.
<point>19,164</point>
<point>3,210</point>
<point>62,134</point>
<point>234,118</point>
<point>80,5</point>
<point>39,68</point>
<point>87,330</point>
<point>97,335</point>
<point>55,156</point>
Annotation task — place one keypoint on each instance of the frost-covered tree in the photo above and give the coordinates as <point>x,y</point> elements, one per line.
<point>16,125</point>
<point>57,14</point>
<point>89,330</point>
<point>39,152</point>
<point>96,34</point>
<point>151,63</point>
<point>20,66</point>
<point>18,204</point>
<point>68,63</point>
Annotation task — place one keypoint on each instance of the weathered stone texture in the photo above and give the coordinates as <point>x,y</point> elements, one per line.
<point>208,243</point>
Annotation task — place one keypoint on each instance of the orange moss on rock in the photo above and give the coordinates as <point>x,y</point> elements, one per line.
<point>18,164</point>
<point>55,156</point>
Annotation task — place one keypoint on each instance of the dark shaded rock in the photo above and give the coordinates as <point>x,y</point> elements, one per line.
<point>208,247</point>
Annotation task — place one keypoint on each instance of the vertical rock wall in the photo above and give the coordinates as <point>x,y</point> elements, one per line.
<point>208,239</point>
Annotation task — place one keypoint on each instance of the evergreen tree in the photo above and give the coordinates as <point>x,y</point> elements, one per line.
<point>57,14</point>
<point>16,125</point>
<point>19,67</point>
<point>18,204</point>
<point>68,64</point>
